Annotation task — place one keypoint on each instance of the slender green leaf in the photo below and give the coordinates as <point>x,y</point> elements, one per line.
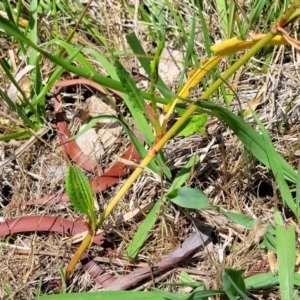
<point>275,167</point>
<point>184,173</point>
<point>115,295</point>
<point>33,20</point>
<point>143,231</point>
<point>20,111</point>
<point>24,134</point>
<point>251,139</point>
<point>103,80</point>
<point>286,254</point>
<point>144,60</point>
<point>70,49</point>
<point>221,6</point>
<point>137,108</point>
<point>298,195</point>
<point>129,85</point>
<point>269,240</point>
<point>12,79</point>
<point>137,144</point>
<point>184,277</point>
<point>40,98</point>
<point>202,295</point>
<point>38,77</point>
<point>80,193</point>
<point>188,198</point>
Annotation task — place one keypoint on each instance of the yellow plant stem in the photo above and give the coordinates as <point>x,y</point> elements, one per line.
<point>83,246</point>
<point>169,134</point>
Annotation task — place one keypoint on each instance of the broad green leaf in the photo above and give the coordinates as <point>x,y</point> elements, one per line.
<point>239,218</point>
<point>184,173</point>
<point>193,125</point>
<point>286,254</point>
<point>80,193</point>
<point>260,281</point>
<point>188,198</point>
<point>143,231</point>
<point>234,284</point>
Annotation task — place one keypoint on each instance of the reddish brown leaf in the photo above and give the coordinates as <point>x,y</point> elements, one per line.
<point>111,176</point>
<point>44,223</point>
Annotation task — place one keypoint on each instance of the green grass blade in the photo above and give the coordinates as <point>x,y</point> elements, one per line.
<point>39,100</point>
<point>184,173</point>
<point>205,30</point>
<point>102,80</point>
<point>15,136</point>
<point>114,295</point>
<point>109,68</point>
<point>136,103</point>
<point>286,255</point>
<point>14,107</point>
<point>8,10</point>
<point>251,139</point>
<point>136,107</point>
<point>12,79</point>
<point>275,167</point>
<point>142,233</point>
<point>135,45</point>
<point>33,18</point>
<point>298,194</point>
<point>137,144</point>
<point>221,6</point>
<point>80,193</point>
<point>38,77</point>
<point>70,49</point>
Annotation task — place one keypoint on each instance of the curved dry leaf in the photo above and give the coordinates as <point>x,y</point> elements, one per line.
<point>194,241</point>
<point>44,223</point>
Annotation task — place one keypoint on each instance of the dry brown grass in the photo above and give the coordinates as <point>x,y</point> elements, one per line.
<point>229,176</point>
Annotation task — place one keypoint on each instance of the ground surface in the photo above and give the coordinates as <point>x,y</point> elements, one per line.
<point>229,176</point>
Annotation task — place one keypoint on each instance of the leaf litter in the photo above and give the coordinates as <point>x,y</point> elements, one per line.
<point>227,175</point>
